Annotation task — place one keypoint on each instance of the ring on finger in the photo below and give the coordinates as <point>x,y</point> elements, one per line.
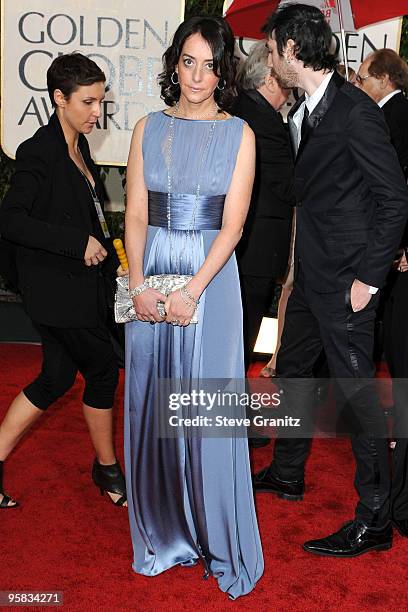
<point>161,309</point>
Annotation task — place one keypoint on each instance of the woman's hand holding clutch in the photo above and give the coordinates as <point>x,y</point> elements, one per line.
<point>146,305</point>
<point>178,311</point>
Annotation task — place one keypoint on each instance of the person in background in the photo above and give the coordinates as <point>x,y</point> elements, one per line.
<point>384,76</point>
<point>263,250</point>
<point>53,218</point>
<point>341,69</point>
<point>269,370</point>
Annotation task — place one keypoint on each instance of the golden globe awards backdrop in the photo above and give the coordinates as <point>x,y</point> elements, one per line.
<point>126,38</point>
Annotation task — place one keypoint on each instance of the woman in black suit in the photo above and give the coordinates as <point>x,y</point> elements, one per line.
<point>52,218</point>
<point>263,251</point>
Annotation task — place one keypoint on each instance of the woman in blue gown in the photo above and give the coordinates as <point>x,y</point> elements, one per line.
<point>189,182</point>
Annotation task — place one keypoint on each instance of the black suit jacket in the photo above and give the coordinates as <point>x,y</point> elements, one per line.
<point>396,116</point>
<point>47,216</point>
<point>352,200</point>
<point>264,247</point>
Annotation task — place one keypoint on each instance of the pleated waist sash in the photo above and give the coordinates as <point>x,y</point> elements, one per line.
<point>208,215</point>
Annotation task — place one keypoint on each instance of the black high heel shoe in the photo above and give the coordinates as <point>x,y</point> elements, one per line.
<point>110,478</point>
<point>6,499</point>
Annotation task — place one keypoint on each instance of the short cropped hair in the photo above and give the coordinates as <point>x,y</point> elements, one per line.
<point>218,34</point>
<point>71,71</point>
<point>387,61</point>
<point>307,27</point>
<point>253,70</point>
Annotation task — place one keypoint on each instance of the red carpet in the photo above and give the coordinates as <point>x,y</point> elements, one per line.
<point>66,537</point>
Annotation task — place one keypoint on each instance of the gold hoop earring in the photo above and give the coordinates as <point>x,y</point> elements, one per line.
<point>172,78</point>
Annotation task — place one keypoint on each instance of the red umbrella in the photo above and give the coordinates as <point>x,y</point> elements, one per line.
<point>377,10</point>
<point>246,17</point>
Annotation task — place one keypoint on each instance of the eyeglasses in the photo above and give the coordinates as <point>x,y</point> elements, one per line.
<point>360,78</point>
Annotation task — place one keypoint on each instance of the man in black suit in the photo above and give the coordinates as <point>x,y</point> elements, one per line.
<point>352,203</point>
<point>383,76</point>
<point>263,251</point>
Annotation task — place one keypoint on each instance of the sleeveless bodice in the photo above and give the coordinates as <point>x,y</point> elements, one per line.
<point>190,138</point>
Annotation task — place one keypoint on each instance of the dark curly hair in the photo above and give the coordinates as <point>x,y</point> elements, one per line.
<point>218,34</point>
<point>307,27</point>
<point>71,71</point>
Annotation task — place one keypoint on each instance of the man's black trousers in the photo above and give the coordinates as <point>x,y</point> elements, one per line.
<point>325,320</point>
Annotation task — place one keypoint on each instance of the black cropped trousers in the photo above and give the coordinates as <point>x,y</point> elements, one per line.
<point>67,352</point>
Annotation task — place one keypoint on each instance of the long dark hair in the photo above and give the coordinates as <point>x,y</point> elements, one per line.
<point>218,34</point>
<point>307,27</point>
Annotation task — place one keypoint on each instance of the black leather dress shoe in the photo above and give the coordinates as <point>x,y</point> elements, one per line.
<point>265,482</point>
<point>401,525</point>
<point>353,539</point>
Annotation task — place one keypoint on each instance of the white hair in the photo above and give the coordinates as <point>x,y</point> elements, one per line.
<point>253,71</point>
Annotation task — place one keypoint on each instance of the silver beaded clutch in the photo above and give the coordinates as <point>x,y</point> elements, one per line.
<point>165,283</point>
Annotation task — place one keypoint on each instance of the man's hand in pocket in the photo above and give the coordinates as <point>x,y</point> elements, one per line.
<point>359,295</point>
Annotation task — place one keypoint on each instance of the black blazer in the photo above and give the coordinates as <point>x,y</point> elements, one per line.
<point>264,247</point>
<point>352,200</point>
<point>396,116</point>
<point>47,216</point>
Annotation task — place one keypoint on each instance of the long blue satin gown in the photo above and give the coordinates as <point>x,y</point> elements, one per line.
<point>189,498</point>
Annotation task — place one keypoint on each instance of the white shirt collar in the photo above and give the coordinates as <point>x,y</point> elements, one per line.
<point>313,100</point>
<point>388,97</point>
